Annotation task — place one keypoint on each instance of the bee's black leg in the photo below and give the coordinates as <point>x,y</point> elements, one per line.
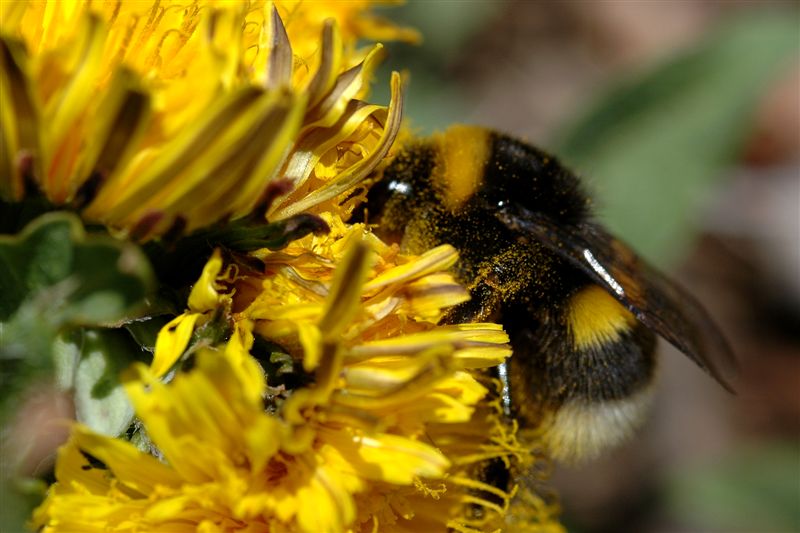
<point>483,306</point>
<point>505,392</point>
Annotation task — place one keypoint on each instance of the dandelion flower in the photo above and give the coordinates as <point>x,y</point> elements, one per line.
<point>164,117</point>
<point>372,441</point>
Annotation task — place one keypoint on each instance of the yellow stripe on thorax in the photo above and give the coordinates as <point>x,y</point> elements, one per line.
<point>595,318</point>
<point>464,152</point>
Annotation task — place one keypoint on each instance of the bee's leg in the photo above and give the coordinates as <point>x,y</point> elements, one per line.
<point>498,472</point>
<point>501,279</point>
<point>487,294</point>
<point>497,280</point>
<point>483,306</point>
<point>505,391</point>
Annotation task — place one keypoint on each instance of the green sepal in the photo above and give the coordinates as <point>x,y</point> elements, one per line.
<point>179,263</point>
<point>247,236</point>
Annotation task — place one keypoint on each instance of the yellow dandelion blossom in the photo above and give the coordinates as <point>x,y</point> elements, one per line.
<point>363,445</point>
<point>169,116</point>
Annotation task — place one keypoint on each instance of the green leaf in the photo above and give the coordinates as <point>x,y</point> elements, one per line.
<point>55,278</point>
<point>100,400</point>
<point>654,146</point>
<point>93,279</point>
<point>37,259</point>
<point>19,497</point>
<point>753,489</point>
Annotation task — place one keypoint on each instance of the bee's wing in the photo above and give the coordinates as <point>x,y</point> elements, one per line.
<point>657,302</point>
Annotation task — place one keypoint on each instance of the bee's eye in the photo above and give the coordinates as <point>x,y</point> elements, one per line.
<point>379,195</point>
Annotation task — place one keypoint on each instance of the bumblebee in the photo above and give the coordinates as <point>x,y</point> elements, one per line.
<point>581,308</point>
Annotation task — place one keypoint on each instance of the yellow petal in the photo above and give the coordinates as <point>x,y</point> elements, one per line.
<point>205,294</point>
<point>19,132</point>
<point>354,175</point>
<point>428,297</point>
<point>172,341</point>
<point>249,372</point>
<point>341,304</point>
<point>463,336</point>
<point>350,85</point>
<point>139,471</point>
<point>311,339</point>
<point>389,458</point>
<point>64,112</point>
<point>435,260</point>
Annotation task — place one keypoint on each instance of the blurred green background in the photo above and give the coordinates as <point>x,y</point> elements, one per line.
<point>684,120</point>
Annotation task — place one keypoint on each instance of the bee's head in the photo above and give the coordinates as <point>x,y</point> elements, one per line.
<point>395,193</point>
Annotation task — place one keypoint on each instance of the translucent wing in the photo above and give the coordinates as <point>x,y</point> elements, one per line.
<point>657,302</point>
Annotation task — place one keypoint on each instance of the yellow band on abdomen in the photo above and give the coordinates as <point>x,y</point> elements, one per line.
<point>595,318</point>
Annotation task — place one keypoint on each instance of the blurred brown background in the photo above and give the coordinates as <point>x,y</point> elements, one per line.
<point>703,175</point>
